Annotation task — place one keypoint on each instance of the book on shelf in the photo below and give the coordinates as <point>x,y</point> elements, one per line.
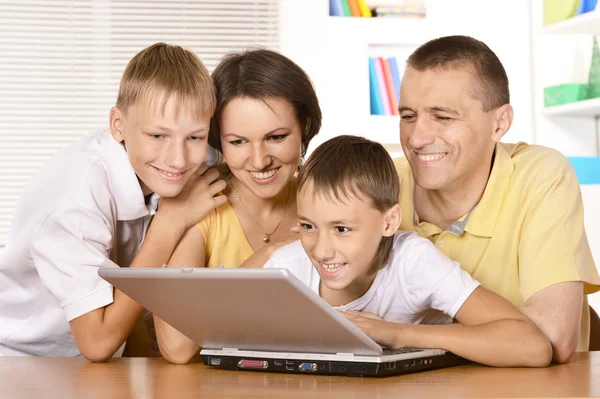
<point>377,8</point>
<point>384,85</point>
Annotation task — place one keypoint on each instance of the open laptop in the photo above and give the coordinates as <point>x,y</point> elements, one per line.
<point>267,320</point>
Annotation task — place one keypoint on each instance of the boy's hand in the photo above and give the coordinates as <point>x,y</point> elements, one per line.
<point>199,196</point>
<point>383,332</point>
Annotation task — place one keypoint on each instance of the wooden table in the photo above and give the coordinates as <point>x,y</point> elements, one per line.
<point>30,377</point>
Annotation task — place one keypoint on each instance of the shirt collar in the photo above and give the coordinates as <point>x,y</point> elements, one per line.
<point>481,219</point>
<point>124,183</point>
<point>485,215</point>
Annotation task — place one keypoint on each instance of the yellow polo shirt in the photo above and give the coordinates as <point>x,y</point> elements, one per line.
<point>525,234</point>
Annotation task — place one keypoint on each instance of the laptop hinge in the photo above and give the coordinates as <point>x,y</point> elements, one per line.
<point>345,354</point>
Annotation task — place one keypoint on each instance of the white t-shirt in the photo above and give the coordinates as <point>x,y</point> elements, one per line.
<point>418,285</point>
<point>82,211</point>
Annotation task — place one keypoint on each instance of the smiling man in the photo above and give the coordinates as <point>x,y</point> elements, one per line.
<point>510,214</point>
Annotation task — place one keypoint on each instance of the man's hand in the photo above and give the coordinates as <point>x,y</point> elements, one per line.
<point>383,332</point>
<point>199,196</point>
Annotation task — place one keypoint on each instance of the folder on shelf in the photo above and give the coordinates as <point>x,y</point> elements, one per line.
<point>396,77</point>
<point>389,84</point>
<point>354,8</point>
<point>382,87</point>
<point>374,95</point>
<point>335,8</point>
<point>365,11</point>
<point>346,8</point>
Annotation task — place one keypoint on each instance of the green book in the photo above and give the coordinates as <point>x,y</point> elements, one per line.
<point>346,8</point>
<point>593,89</point>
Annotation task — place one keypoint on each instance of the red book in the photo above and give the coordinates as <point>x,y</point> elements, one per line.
<point>389,83</point>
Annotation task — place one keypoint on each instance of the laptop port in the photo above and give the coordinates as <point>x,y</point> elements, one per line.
<point>215,361</point>
<point>307,367</point>
<point>253,364</point>
<point>390,366</point>
<point>278,363</point>
<point>289,368</point>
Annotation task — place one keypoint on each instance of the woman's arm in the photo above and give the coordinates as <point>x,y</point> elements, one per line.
<point>491,331</point>
<point>174,346</point>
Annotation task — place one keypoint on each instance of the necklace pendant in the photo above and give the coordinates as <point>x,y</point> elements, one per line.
<point>266,237</point>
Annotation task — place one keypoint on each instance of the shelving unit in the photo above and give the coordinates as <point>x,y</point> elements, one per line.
<point>585,108</point>
<point>585,24</point>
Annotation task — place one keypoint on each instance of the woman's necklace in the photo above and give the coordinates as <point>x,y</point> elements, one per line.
<point>265,233</point>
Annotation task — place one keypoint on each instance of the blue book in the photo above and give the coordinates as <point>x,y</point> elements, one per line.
<point>586,6</point>
<point>374,95</point>
<point>587,169</point>
<point>395,76</point>
<point>335,8</point>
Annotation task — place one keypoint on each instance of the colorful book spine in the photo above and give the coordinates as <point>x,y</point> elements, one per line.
<point>382,87</point>
<point>389,85</point>
<point>346,8</point>
<point>365,11</point>
<point>335,8</point>
<point>396,77</point>
<point>374,95</point>
<point>354,9</point>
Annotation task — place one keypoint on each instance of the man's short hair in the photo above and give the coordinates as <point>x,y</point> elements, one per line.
<point>464,52</point>
<point>162,71</point>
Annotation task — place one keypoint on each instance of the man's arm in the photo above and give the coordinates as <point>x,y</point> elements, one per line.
<point>99,333</point>
<point>492,332</point>
<point>556,310</point>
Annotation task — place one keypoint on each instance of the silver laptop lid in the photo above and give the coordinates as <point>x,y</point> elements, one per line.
<point>246,309</point>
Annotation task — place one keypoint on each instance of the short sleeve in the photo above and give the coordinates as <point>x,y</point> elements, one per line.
<point>433,281</point>
<point>553,246</point>
<point>68,249</point>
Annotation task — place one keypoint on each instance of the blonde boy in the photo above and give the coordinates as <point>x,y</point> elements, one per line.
<point>90,206</point>
<point>396,286</point>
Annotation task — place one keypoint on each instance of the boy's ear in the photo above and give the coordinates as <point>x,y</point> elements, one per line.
<point>116,124</point>
<point>392,219</point>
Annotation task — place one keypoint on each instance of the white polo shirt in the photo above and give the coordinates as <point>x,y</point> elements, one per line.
<point>418,285</point>
<point>82,211</point>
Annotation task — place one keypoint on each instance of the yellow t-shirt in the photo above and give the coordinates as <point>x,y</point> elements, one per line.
<point>226,243</point>
<point>525,234</point>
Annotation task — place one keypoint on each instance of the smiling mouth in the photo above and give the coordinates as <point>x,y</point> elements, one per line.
<point>332,267</point>
<point>431,157</point>
<point>170,175</point>
<point>265,175</point>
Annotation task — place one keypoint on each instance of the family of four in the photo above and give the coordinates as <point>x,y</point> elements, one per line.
<point>464,228</point>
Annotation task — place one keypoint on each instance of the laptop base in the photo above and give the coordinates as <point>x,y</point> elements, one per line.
<point>329,367</point>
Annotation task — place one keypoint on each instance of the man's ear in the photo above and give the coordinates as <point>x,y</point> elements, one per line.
<point>392,219</point>
<point>503,118</point>
<point>116,124</point>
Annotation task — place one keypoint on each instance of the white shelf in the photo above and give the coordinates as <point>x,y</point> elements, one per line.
<point>585,24</point>
<point>585,108</point>
<point>404,31</point>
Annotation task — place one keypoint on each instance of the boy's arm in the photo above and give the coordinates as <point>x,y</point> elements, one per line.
<point>174,346</point>
<point>492,332</point>
<point>99,333</point>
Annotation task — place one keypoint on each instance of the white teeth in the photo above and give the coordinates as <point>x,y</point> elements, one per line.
<point>432,157</point>
<point>331,267</point>
<point>264,175</point>
<point>171,174</point>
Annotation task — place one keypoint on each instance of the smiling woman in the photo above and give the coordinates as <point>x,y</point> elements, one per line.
<point>267,113</point>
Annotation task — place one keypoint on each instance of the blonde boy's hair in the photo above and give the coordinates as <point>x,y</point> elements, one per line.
<point>351,166</point>
<point>162,71</point>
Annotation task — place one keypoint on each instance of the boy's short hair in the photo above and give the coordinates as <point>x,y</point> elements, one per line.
<point>354,166</point>
<point>164,70</point>
<point>265,74</point>
<point>464,52</point>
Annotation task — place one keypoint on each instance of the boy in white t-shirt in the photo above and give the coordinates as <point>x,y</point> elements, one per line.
<point>396,286</point>
<point>90,206</point>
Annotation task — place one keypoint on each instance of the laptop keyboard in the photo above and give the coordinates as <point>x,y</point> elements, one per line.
<point>389,351</point>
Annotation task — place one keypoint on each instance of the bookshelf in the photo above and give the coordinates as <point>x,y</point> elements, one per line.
<point>585,24</point>
<point>585,108</point>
